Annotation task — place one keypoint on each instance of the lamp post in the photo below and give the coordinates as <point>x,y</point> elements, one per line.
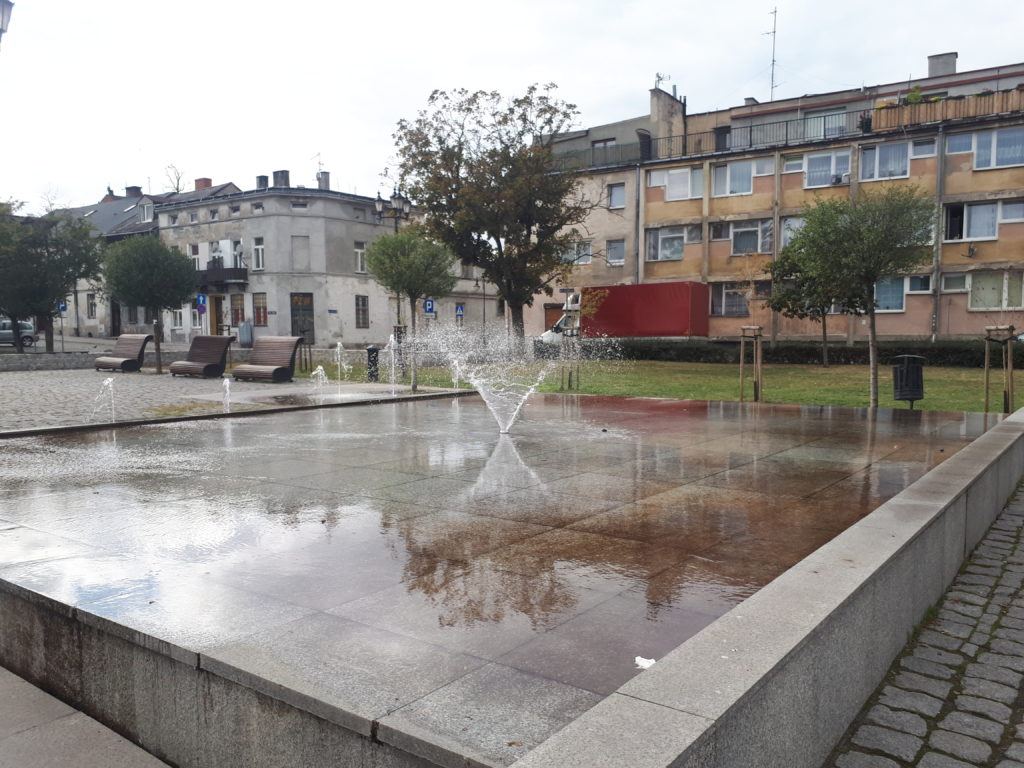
<point>6,6</point>
<point>396,208</point>
<point>477,283</point>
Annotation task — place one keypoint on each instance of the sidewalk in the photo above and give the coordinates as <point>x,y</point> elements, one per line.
<point>38,731</point>
<point>953,698</point>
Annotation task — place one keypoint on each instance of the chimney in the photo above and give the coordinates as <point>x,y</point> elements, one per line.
<point>133,191</point>
<point>749,101</point>
<point>281,179</point>
<point>203,183</point>
<point>942,64</point>
<point>323,180</point>
<point>110,196</point>
<point>262,182</point>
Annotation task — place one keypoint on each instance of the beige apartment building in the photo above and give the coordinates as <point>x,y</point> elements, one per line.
<point>714,196</point>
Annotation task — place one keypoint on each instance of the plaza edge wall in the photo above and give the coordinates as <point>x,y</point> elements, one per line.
<point>775,682</point>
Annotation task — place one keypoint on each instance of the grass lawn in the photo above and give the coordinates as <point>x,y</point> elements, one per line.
<point>946,389</point>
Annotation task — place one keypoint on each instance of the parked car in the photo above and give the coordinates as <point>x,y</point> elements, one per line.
<point>28,333</point>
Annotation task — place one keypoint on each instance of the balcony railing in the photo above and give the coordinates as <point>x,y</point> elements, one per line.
<point>217,274</point>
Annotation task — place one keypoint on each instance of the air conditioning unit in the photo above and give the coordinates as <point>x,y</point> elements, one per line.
<point>846,178</point>
<point>837,179</point>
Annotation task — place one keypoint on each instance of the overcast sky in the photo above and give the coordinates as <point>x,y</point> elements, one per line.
<point>98,92</point>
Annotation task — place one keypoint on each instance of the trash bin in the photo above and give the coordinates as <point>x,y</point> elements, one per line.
<point>245,334</point>
<point>372,370</point>
<point>908,378</point>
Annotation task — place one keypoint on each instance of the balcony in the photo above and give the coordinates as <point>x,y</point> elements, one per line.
<point>218,277</point>
<point>889,116</point>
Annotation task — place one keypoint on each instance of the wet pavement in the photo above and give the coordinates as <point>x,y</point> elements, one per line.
<point>409,565</point>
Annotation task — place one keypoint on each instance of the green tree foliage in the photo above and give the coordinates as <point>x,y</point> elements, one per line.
<point>41,260</point>
<point>481,169</point>
<point>846,246</point>
<point>412,265</point>
<point>143,272</point>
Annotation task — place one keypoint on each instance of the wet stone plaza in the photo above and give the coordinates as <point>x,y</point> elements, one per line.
<point>413,574</point>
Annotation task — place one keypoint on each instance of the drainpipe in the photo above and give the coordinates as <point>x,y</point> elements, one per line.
<point>773,337</point>
<point>940,189</point>
<point>636,225</point>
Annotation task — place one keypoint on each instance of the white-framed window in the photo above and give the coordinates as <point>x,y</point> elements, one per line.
<point>751,236</point>
<point>147,212</point>
<point>792,163</point>
<point>214,214</point>
<point>999,148</point>
<point>193,217</point>
<point>193,252</point>
<point>90,306</point>
<point>359,250</point>
<point>995,289</point>
<point>824,124</point>
<point>825,169</point>
<point>923,147</point>
<point>237,254</point>
<point>172,219</point>
<point>615,252</point>
<point>731,299</point>
<point>257,254</point>
<point>790,226</point>
<point>764,166</point>
<point>616,195</point>
<point>666,243</point>
<point>679,183</point>
<point>177,318</point>
<point>971,221</point>
<point>958,143</point>
<point>954,282</point>
<point>197,319</point>
<point>885,161</point>
<point>919,284</point>
<point>890,294</point>
<point>578,253</point>
<point>1011,210</point>
<point>257,207</point>
<point>735,178</point>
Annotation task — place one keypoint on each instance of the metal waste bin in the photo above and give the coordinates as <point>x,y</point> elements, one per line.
<point>372,369</point>
<point>908,378</point>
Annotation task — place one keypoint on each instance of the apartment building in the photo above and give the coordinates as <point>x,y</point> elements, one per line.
<point>291,260</point>
<point>715,196</point>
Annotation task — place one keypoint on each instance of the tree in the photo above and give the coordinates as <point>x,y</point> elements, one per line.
<point>411,264</point>
<point>482,171</point>
<point>41,260</point>
<point>851,245</point>
<point>143,272</point>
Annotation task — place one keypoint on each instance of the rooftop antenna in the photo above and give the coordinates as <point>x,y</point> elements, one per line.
<point>775,18</point>
<point>659,79</point>
<point>319,162</point>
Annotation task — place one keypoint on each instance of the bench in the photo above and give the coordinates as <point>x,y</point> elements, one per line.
<point>207,357</point>
<point>272,359</point>
<point>127,354</point>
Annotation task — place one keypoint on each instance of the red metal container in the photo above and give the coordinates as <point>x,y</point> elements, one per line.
<point>649,309</point>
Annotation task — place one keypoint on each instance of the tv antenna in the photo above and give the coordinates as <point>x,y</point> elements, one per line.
<point>659,79</point>
<point>775,18</point>
<point>319,162</point>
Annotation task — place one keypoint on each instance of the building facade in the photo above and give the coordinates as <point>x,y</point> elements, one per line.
<point>715,196</point>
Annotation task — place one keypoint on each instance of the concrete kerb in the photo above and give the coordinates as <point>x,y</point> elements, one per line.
<point>777,680</point>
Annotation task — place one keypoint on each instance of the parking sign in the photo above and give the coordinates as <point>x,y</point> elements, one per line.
<point>428,306</point>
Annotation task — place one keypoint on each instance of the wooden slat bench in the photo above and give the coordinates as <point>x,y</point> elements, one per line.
<point>127,355</point>
<point>272,359</point>
<point>207,357</point>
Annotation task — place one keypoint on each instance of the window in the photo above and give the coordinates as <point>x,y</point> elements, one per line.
<point>971,221</point>
<point>90,306</point>
<point>733,178</point>
<point>656,178</point>
<point>790,226</point>
<point>197,319</point>
<point>752,236</point>
<point>214,214</point>
<point>764,166</point>
<point>603,151</point>
<point>193,217</point>
<point>999,148</point>
<point>360,256</point>
<point>257,254</point>
<point>824,124</point>
<point>213,251</point>
<point>172,219</point>
<point>665,243</point>
<point>237,308</point>
<point>923,148</point>
<point>616,195</point>
<point>259,309</point>
<point>729,299</point>
<point>299,205</point>
<point>995,289</point>
<point>602,143</point>
<point>362,311</point>
<point>959,142</point>
<point>827,168</point>
<point>257,207</point>
<point>679,183</point>
<point>234,210</point>
<point>1012,210</point>
<point>885,161</point>
<point>889,294</point>
<point>466,271</point>
<point>147,212</point>
<point>919,284</point>
<point>615,252</point>
<point>720,230</point>
<point>177,318</point>
<point>578,253</point>
<point>133,315</point>
<point>149,316</point>
<point>954,283</point>
<point>500,308</point>
<point>792,163</point>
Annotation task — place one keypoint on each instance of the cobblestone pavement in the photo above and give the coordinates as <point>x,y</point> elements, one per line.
<point>953,698</point>
<point>34,399</point>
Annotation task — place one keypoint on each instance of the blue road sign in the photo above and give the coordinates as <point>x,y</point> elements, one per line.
<point>460,310</point>
<point>62,306</point>
<point>428,306</point>
<point>200,299</point>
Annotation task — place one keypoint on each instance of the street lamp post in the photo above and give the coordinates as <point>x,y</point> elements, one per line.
<point>6,6</point>
<point>397,208</point>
